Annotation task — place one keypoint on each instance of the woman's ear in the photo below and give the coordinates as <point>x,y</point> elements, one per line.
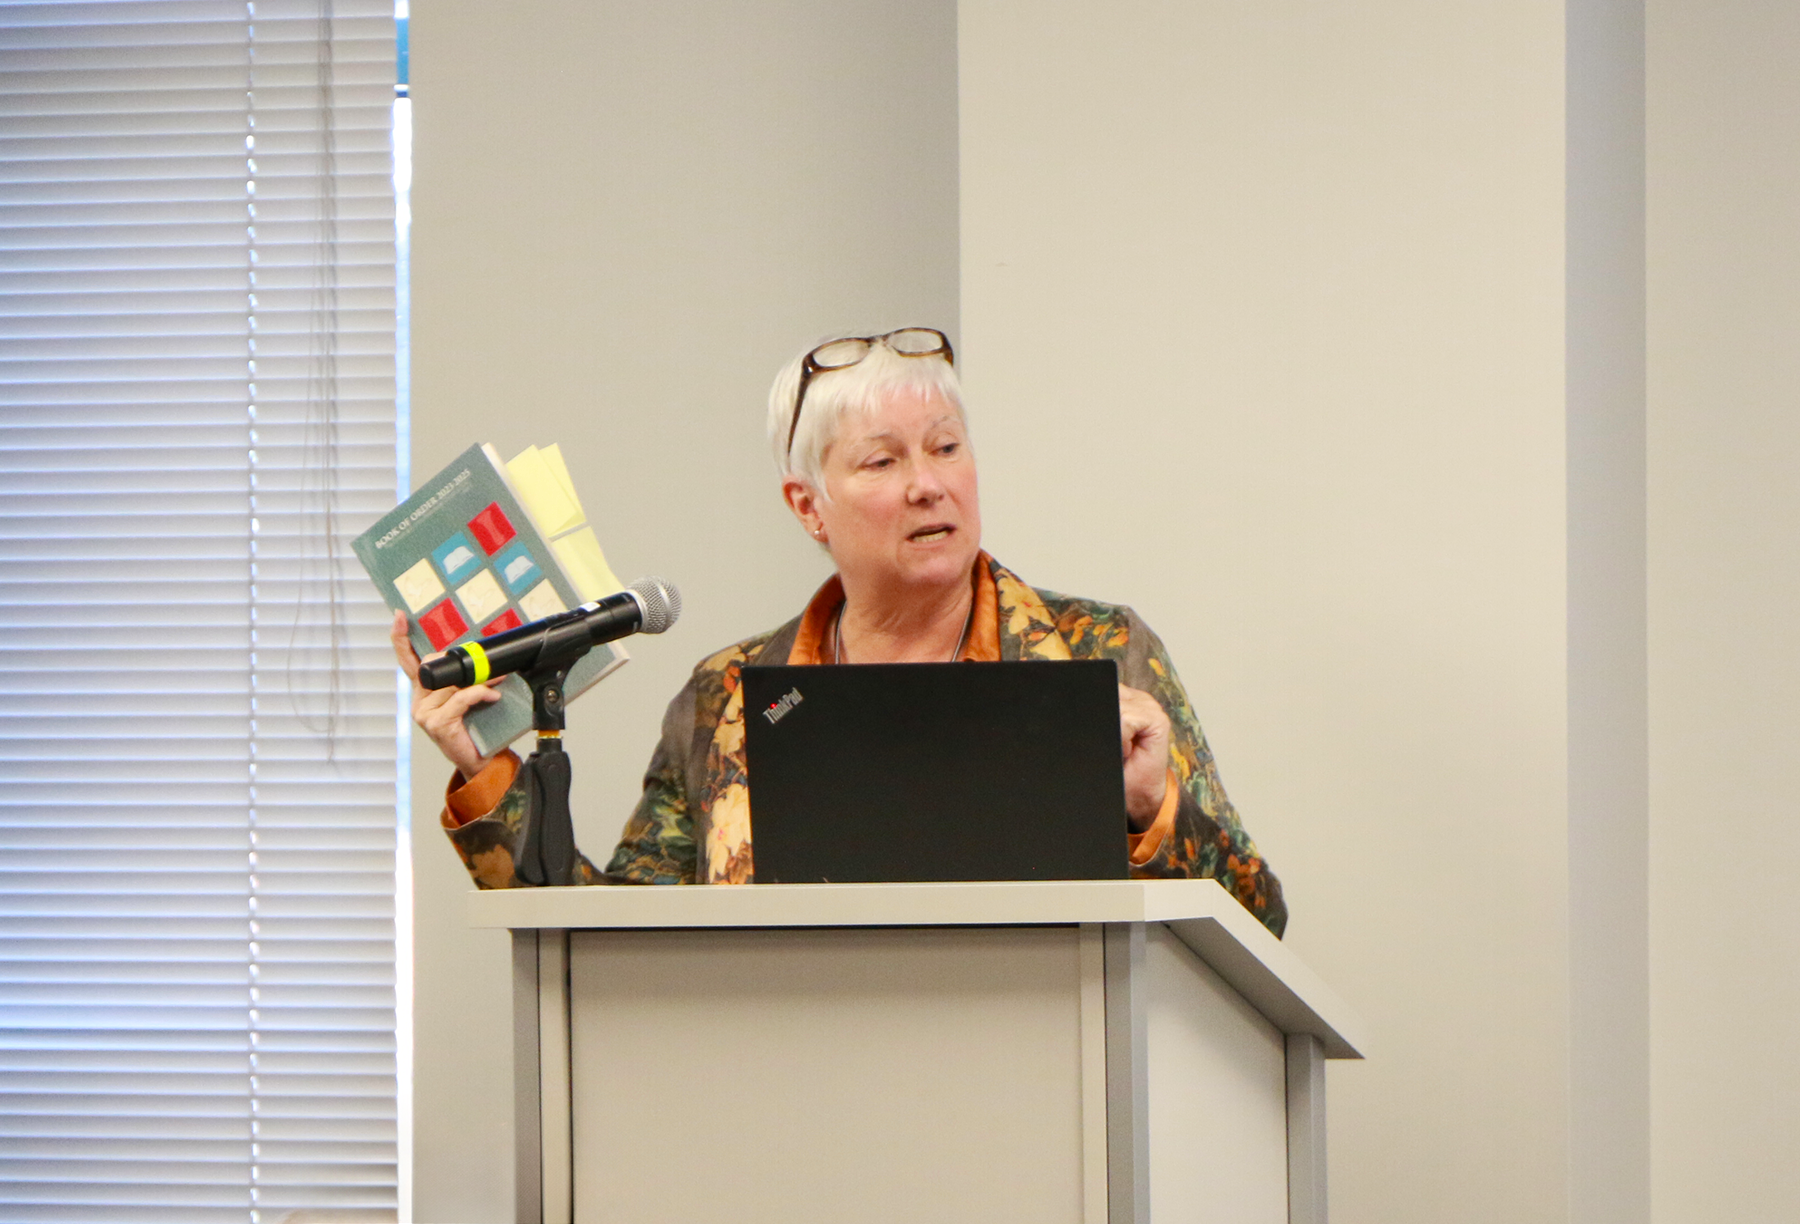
<point>804,503</point>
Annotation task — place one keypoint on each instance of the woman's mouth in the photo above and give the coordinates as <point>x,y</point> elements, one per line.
<point>931,534</point>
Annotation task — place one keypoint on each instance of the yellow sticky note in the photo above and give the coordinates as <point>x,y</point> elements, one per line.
<point>553,460</point>
<point>585,564</point>
<point>553,509</point>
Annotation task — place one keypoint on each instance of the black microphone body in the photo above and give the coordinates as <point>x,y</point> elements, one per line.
<point>555,639</point>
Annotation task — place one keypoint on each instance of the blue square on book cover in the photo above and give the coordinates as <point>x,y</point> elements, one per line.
<point>516,567</point>
<point>456,558</point>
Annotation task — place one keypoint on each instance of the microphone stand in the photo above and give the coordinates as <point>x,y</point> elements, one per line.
<point>543,652</point>
<point>547,852</point>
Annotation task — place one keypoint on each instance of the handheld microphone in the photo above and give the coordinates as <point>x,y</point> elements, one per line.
<point>648,605</point>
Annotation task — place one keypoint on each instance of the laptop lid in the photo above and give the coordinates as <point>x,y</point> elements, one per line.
<point>935,771</point>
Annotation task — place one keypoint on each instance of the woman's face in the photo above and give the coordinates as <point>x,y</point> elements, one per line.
<point>902,510</point>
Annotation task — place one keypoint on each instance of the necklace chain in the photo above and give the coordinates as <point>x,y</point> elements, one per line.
<point>837,635</point>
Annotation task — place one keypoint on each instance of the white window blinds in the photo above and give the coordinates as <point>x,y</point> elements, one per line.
<point>197,710</point>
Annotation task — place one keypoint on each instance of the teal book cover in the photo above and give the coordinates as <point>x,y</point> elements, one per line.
<point>464,560</point>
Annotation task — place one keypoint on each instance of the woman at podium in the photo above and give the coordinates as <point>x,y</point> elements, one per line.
<point>870,440</point>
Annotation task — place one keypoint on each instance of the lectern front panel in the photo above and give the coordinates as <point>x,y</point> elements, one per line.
<point>782,1075</point>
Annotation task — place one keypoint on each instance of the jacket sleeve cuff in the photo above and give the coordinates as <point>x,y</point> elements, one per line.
<point>1143,846</point>
<point>471,799</point>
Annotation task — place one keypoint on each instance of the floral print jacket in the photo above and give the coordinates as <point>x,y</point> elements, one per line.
<point>692,824</point>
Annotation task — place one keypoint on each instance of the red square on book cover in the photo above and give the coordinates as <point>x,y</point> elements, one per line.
<point>491,528</point>
<point>443,625</point>
<point>500,624</point>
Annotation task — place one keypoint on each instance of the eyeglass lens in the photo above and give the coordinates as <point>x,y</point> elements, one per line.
<point>840,353</point>
<point>915,341</point>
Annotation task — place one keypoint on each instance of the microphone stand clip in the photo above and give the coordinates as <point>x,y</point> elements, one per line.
<point>547,853</point>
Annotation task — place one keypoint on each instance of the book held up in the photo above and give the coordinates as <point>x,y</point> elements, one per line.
<point>486,546</point>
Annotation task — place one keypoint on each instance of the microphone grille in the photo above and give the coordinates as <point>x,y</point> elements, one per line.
<point>661,601</point>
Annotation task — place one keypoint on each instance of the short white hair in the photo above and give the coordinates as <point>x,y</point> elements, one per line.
<point>832,395</point>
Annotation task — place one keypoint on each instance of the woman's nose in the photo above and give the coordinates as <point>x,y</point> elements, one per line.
<point>925,485</point>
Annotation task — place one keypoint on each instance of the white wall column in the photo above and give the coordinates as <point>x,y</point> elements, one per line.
<point>1609,920</point>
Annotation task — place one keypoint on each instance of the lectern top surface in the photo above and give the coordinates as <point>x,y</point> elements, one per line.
<point>1200,913</point>
<point>1028,902</point>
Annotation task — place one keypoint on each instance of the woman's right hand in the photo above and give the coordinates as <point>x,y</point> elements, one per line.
<point>439,712</point>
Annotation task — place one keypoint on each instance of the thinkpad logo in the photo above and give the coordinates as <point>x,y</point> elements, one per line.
<point>778,709</point>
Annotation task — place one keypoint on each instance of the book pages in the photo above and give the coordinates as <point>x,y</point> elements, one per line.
<point>553,460</point>
<point>549,500</point>
<point>580,556</point>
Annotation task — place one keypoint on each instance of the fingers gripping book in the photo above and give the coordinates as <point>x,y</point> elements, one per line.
<point>483,547</point>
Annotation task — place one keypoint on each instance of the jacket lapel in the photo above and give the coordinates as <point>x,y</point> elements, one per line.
<point>1027,630</point>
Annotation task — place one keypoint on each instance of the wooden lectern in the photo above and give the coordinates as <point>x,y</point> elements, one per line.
<point>1101,1052</point>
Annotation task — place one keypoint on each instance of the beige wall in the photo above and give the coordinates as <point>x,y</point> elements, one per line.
<point>1263,317</point>
<point>626,217</point>
<point>1263,314</point>
<point>1724,447</point>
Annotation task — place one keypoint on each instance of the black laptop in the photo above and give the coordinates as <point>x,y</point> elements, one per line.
<point>935,771</point>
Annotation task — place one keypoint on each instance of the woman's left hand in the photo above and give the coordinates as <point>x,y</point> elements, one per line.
<point>1144,740</point>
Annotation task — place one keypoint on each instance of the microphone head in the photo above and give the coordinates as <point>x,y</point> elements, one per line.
<point>660,601</point>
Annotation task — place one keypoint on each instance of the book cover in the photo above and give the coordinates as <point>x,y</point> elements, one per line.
<point>464,558</point>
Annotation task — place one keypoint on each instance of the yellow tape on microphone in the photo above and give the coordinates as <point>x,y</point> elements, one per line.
<point>479,657</point>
